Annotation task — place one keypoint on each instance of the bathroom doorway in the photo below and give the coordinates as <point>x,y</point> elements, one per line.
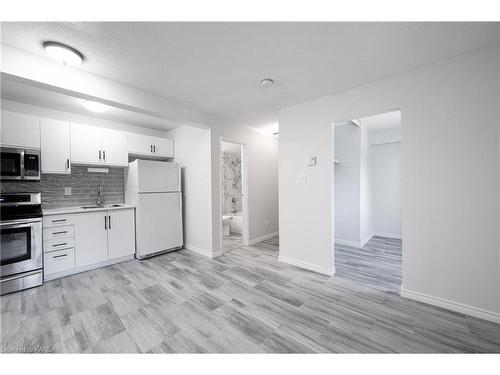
<point>234,207</point>
<point>367,200</point>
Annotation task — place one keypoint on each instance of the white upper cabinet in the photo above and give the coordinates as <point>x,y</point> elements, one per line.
<point>85,144</point>
<point>139,144</point>
<point>164,147</point>
<point>98,146</point>
<point>114,147</point>
<point>55,145</point>
<point>19,130</point>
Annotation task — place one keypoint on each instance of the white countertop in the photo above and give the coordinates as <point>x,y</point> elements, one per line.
<point>77,209</point>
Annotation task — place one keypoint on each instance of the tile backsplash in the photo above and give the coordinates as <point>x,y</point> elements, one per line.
<point>83,186</point>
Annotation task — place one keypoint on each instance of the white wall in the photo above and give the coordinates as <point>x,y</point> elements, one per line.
<point>449,183</point>
<point>262,169</point>
<point>347,140</point>
<point>385,165</point>
<point>192,152</point>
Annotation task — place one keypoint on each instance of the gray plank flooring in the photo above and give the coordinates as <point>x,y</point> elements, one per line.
<point>231,242</point>
<point>244,301</point>
<point>378,263</point>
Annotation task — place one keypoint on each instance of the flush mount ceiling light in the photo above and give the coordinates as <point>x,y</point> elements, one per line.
<point>95,106</point>
<point>62,53</point>
<point>266,82</point>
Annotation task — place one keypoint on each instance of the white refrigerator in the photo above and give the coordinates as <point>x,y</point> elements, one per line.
<point>154,187</point>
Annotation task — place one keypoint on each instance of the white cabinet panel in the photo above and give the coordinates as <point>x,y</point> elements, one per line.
<point>139,144</point>
<point>114,147</point>
<point>58,261</point>
<point>121,233</point>
<point>163,147</point>
<point>85,144</point>
<point>91,238</point>
<point>19,130</point>
<point>55,145</point>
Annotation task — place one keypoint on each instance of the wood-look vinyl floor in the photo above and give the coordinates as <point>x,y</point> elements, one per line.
<point>378,263</point>
<point>231,242</point>
<point>244,301</point>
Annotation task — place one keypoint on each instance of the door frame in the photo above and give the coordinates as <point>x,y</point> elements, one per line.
<point>244,189</point>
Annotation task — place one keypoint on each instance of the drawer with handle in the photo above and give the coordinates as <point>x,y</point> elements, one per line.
<point>58,232</point>
<point>58,244</point>
<point>58,261</point>
<point>53,220</point>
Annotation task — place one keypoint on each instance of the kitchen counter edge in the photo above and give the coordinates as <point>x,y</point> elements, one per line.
<point>78,209</point>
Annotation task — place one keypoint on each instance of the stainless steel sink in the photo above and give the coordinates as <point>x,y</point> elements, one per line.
<point>94,206</point>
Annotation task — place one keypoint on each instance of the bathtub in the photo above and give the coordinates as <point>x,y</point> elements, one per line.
<point>235,222</point>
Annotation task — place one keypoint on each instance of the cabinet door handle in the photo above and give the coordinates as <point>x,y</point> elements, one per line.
<point>104,155</point>
<point>58,220</point>
<point>105,222</point>
<point>151,148</point>
<point>109,222</point>
<point>61,232</point>
<point>59,244</point>
<point>154,149</point>
<point>67,163</point>
<point>100,155</point>
<point>59,256</point>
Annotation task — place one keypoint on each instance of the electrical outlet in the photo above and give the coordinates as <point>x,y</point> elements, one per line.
<point>67,191</point>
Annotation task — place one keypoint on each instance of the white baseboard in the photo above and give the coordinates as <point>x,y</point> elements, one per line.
<point>307,266</point>
<point>388,235</point>
<point>262,238</point>
<point>90,267</point>
<point>347,243</point>
<point>199,250</point>
<point>367,238</point>
<point>450,305</point>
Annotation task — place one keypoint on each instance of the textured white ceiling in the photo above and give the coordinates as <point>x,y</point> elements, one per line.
<point>217,66</point>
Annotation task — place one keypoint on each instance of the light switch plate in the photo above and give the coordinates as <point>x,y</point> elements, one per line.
<point>67,191</point>
<point>310,161</point>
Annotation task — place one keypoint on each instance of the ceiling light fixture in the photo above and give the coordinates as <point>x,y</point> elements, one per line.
<point>62,53</point>
<point>95,106</point>
<point>266,82</point>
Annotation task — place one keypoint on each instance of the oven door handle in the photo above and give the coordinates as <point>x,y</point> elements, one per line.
<point>19,225</point>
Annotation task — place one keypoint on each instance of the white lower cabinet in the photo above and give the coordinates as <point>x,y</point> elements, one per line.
<point>121,233</point>
<point>59,261</point>
<point>92,240</point>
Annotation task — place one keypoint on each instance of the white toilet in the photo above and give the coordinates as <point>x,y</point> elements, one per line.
<point>226,225</point>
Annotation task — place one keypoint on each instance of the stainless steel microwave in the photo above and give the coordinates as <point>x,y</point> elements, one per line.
<point>19,164</point>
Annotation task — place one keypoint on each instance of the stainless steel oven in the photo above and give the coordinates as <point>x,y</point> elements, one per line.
<point>21,253</point>
<point>19,164</point>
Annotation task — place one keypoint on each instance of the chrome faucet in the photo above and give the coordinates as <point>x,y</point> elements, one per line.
<point>100,199</point>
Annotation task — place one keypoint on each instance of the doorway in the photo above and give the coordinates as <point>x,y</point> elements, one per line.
<point>367,200</point>
<point>233,188</point>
